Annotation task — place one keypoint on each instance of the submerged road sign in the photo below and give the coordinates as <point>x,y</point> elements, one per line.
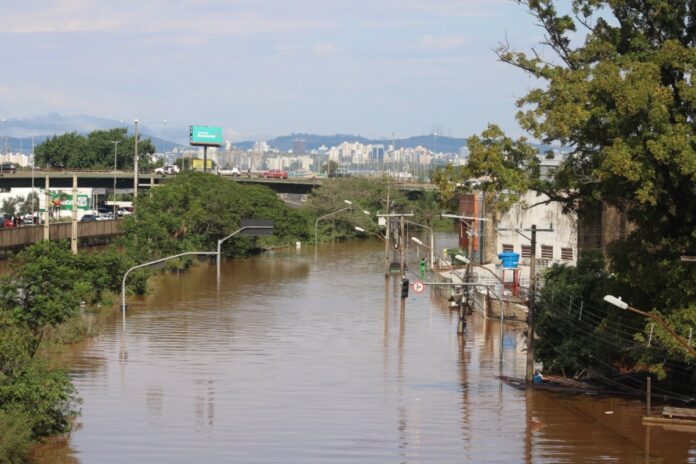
<point>418,287</point>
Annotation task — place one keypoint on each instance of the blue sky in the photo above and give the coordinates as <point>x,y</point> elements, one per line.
<point>261,68</point>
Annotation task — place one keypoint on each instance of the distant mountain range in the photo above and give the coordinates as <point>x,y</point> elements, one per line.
<point>313,142</point>
<point>16,135</point>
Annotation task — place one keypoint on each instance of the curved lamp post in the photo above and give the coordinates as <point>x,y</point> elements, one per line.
<point>115,142</point>
<point>221,240</point>
<point>461,258</point>
<point>619,303</point>
<point>316,223</point>
<point>432,245</point>
<point>150,263</point>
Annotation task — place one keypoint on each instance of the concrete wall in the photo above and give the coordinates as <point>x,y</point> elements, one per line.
<point>523,215</point>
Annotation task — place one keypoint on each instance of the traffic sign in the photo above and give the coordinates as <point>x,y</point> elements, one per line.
<point>418,287</point>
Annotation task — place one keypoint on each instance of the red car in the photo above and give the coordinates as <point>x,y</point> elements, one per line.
<point>275,174</point>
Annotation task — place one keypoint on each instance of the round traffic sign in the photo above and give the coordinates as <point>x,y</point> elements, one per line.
<point>418,287</point>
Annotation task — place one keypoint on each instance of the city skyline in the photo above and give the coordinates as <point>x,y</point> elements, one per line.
<point>263,69</point>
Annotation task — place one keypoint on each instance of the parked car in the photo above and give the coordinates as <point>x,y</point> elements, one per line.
<point>275,174</point>
<point>88,218</point>
<point>8,168</point>
<point>234,172</point>
<point>167,170</point>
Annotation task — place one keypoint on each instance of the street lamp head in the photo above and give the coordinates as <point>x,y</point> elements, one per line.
<point>366,212</point>
<point>135,121</point>
<point>462,258</point>
<point>359,229</point>
<point>618,302</point>
<point>415,239</point>
<point>348,202</point>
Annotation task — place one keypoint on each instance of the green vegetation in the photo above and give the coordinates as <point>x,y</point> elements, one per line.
<point>622,103</point>
<point>366,195</point>
<point>195,210</point>
<point>45,289</point>
<point>95,151</point>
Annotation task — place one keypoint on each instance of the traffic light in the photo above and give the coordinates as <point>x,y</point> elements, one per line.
<point>404,288</point>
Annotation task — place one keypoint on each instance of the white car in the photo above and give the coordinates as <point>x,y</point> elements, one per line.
<point>229,172</point>
<point>167,170</point>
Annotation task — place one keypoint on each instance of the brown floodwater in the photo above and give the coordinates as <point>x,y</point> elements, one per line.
<point>304,359</point>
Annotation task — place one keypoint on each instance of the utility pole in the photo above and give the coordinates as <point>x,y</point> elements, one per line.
<point>386,242</point>
<point>531,296</point>
<point>73,236</point>
<point>530,314</point>
<point>47,210</point>
<point>135,163</point>
<point>531,299</point>
<point>401,241</point>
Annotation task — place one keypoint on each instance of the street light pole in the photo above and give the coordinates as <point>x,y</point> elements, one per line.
<point>135,163</point>
<point>221,240</point>
<point>432,243</point>
<point>150,263</point>
<point>33,194</point>
<point>316,223</point>
<point>619,303</point>
<point>115,159</point>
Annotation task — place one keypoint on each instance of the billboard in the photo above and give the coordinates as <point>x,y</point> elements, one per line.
<point>64,201</point>
<point>197,163</point>
<point>205,136</point>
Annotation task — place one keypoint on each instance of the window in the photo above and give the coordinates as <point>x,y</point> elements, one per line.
<point>546,252</point>
<point>567,254</point>
<point>508,247</point>
<point>526,251</point>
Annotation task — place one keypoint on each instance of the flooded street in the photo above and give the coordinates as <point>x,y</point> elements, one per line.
<point>297,360</point>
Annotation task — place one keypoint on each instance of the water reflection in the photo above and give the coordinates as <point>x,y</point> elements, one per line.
<point>301,361</point>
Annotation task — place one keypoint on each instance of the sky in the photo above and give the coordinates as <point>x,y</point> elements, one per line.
<point>263,68</point>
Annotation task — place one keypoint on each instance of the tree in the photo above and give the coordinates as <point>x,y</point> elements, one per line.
<point>623,103</point>
<point>503,168</point>
<point>365,194</point>
<point>95,151</point>
<point>194,210</point>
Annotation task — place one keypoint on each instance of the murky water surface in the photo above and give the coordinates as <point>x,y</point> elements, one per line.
<point>298,359</point>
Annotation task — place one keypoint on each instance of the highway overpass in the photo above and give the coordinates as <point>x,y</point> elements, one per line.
<point>124,181</point>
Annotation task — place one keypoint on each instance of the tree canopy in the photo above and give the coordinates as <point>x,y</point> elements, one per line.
<point>195,210</point>
<point>94,151</point>
<point>616,93</point>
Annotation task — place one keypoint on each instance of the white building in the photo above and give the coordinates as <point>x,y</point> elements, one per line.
<point>558,246</point>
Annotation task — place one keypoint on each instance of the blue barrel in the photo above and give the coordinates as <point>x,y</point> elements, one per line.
<point>509,259</point>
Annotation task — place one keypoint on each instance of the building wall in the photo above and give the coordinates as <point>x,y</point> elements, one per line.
<point>523,216</point>
<point>601,225</point>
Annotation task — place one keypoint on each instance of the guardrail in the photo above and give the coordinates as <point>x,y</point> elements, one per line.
<point>17,237</point>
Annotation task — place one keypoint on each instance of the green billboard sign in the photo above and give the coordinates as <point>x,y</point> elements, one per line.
<point>64,201</point>
<point>206,136</point>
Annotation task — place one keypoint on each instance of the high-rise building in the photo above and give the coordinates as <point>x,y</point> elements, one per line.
<point>299,147</point>
<point>378,153</point>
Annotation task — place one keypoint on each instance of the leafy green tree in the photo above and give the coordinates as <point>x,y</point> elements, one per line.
<point>503,168</point>
<point>366,194</point>
<point>44,289</point>
<point>95,151</point>
<point>195,210</point>
<point>623,102</point>
<point>12,204</point>
<point>30,203</point>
